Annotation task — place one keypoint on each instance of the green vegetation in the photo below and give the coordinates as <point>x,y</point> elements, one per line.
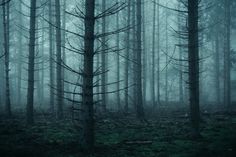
<point>126,137</point>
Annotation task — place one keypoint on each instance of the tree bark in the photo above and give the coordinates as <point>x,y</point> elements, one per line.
<point>127,57</point>
<point>87,96</point>
<point>140,110</point>
<point>118,61</point>
<point>104,66</point>
<point>153,56</point>
<point>51,57</point>
<point>193,57</point>
<point>5,9</point>
<point>31,60</point>
<point>227,62</point>
<point>59,61</point>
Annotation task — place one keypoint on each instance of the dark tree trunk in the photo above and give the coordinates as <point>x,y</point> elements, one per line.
<point>87,96</point>
<point>31,60</point>
<point>118,62</point>
<point>158,53</point>
<point>166,67</point>
<point>181,92</point>
<point>51,56</point>
<point>144,56</point>
<point>20,52</point>
<point>104,66</point>
<point>59,61</point>
<point>5,9</point>
<point>140,110</point>
<point>127,57</point>
<point>193,57</point>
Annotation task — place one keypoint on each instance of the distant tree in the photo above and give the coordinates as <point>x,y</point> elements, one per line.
<point>104,59</point>
<point>118,61</point>
<point>227,49</point>
<point>140,109</point>
<point>158,54</point>
<point>20,53</point>
<point>153,55</point>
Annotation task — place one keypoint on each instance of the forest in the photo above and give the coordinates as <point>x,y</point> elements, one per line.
<point>117,78</point>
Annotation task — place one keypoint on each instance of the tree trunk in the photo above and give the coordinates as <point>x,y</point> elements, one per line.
<point>158,53</point>
<point>51,56</point>
<point>87,96</point>
<point>217,68</point>
<point>104,95</point>
<point>5,9</point>
<point>118,62</point>
<point>31,60</point>
<point>127,58</point>
<point>140,110</point>
<point>166,68</point>
<point>153,55</point>
<point>144,54</point>
<point>59,61</point>
<point>193,57</point>
<point>181,92</point>
<point>227,62</point>
<point>20,52</point>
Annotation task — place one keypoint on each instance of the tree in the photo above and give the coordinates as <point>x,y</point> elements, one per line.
<point>6,20</point>
<point>193,59</point>
<point>104,60</point>
<point>153,55</point>
<point>59,61</point>
<point>167,61</point>
<point>51,56</point>
<point>31,64</point>
<point>20,52</point>
<point>118,61</point>
<point>87,95</point>
<point>227,63</point>
<point>127,55</point>
<point>140,110</point>
<point>158,53</point>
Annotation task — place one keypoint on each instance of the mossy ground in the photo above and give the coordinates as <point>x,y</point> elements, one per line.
<point>168,136</point>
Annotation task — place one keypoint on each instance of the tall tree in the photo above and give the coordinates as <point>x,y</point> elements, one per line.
<point>87,96</point>
<point>181,92</point>
<point>118,60</point>
<point>167,61</point>
<point>140,110</point>
<point>127,55</point>
<point>193,59</point>
<point>153,55</point>
<point>59,61</point>
<point>20,52</point>
<point>104,61</point>
<point>6,20</point>
<point>227,62</point>
<point>51,56</point>
<point>31,64</point>
<point>158,53</point>
<point>144,56</point>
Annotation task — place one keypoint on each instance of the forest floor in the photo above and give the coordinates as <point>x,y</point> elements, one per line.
<point>165,136</point>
